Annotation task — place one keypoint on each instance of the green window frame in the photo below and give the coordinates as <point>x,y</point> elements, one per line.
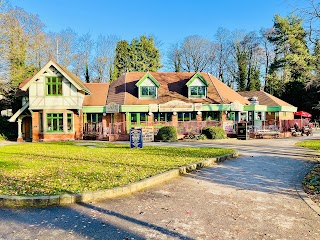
<point>207,116</point>
<point>197,91</point>
<point>134,117</point>
<point>148,91</point>
<point>162,117</point>
<point>187,116</point>
<point>41,122</point>
<point>70,122</point>
<point>54,86</point>
<point>94,117</point>
<point>54,122</point>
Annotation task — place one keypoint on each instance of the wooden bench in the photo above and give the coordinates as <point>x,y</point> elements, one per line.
<point>266,132</point>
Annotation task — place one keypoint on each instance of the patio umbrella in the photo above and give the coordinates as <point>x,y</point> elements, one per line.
<point>303,114</point>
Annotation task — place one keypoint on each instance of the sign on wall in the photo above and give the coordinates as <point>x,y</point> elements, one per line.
<point>176,106</point>
<point>236,106</point>
<point>136,138</point>
<point>112,108</point>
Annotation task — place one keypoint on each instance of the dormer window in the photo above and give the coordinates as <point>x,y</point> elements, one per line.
<point>197,87</point>
<point>148,87</point>
<point>198,91</point>
<point>148,91</point>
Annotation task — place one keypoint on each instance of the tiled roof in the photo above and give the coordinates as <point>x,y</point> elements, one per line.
<point>172,87</point>
<point>98,96</point>
<point>265,98</point>
<point>76,79</point>
<point>24,82</point>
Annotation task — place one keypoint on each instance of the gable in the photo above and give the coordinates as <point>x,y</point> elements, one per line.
<point>196,80</point>
<point>146,79</point>
<point>53,68</point>
<point>148,83</point>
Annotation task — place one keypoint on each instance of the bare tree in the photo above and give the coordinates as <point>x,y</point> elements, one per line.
<point>102,64</point>
<point>174,57</point>
<point>63,46</point>
<point>223,46</point>
<point>267,51</point>
<point>309,10</point>
<point>83,56</point>
<point>195,54</point>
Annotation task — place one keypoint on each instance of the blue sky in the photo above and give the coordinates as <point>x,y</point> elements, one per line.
<point>168,20</point>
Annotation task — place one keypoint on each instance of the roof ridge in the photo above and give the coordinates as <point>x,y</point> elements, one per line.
<point>216,88</point>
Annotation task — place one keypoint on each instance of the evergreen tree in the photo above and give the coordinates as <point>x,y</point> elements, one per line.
<point>242,62</point>
<point>292,57</point>
<point>316,60</point>
<point>87,74</point>
<point>254,82</point>
<point>140,55</point>
<point>121,60</point>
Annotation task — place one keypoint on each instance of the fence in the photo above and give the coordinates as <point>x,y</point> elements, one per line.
<point>93,130</point>
<point>287,124</point>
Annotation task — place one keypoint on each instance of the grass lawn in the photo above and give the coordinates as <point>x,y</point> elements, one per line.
<point>37,169</point>
<point>311,182</point>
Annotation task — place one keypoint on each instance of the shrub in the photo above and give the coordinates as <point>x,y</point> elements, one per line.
<point>3,137</point>
<point>167,134</point>
<point>214,132</point>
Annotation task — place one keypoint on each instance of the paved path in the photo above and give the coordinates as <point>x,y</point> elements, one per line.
<point>252,197</point>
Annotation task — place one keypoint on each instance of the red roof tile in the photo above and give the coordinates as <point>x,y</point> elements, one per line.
<point>172,87</point>
<point>98,96</point>
<point>265,98</point>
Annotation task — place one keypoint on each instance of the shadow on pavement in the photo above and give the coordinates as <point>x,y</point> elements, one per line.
<point>264,173</point>
<point>48,223</point>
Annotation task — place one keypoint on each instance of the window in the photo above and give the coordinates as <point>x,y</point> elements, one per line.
<point>189,116</point>
<point>55,122</point>
<point>147,91</point>
<point>69,122</point>
<point>94,117</point>
<point>207,116</point>
<point>164,117</point>
<point>54,86</point>
<point>143,117</point>
<point>134,117</point>
<point>197,91</point>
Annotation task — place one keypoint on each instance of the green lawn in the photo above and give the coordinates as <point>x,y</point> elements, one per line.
<point>37,169</point>
<point>311,182</point>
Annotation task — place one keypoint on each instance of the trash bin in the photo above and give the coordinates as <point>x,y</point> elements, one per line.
<point>242,131</point>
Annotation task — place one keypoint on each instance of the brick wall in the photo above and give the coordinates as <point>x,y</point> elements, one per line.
<point>35,125</point>
<point>55,137</point>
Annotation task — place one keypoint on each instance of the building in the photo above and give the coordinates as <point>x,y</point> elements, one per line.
<point>267,110</point>
<point>51,106</point>
<point>57,105</point>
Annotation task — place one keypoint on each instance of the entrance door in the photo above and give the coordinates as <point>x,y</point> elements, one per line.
<point>28,128</point>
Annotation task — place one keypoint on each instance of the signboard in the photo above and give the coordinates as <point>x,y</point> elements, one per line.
<point>112,108</point>
<point>236,106</point>
<point>198,107</point>
<point>136,138</point>
<point>153,107</point>
<point>148,134</point>
<point>228,127</point>
<point>176,106</point>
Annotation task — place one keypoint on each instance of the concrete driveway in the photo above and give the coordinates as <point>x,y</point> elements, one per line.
<point>252,197</point>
